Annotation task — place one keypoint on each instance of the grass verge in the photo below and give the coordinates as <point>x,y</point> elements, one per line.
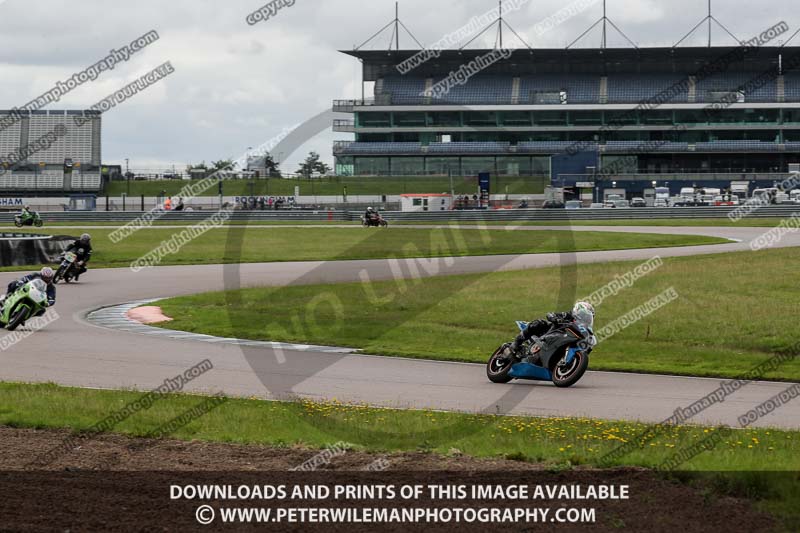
<point>553,441</point>
<point>335,186</point>
<point>265,244</point>
<point>734,311</point>
<point>674,222</point>
<point>560,443</point>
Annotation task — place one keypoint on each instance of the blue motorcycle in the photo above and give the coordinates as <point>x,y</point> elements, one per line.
<point>561,356</point>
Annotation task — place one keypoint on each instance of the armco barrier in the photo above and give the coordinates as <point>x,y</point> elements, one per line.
<point>20,249</point>
<point>588,215</point>
<point>538,215</point>
<point>185,217</point>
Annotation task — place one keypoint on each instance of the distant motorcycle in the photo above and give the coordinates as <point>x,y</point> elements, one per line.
<point>374,221</point>
<point>561,355</point>
<point>29,219</point>
<point>69,269</point>
<point>23,304</point>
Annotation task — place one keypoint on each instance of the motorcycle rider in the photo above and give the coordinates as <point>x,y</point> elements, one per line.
<point>582,313</point>
<point>82,248</point>
<point>370,213</point>
<point>27,213</point>
<point>46,274</point>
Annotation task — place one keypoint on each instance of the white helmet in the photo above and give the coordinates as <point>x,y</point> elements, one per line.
<point>583,312</point>
<point>47,274</point>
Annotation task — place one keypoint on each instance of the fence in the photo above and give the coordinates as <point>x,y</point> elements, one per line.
<point>339,186</point>
<point>510,215</point>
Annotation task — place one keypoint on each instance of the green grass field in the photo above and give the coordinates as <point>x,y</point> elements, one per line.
<point>265,244</point>
<point>673,222</point>
<point>466,317</point>
<point>664,222</point>
<point>88,224</point>
<point>554,441</point>
<point>745,464</point>
<point>755,464</point>
<point>682,222</point>
<point>335,186</point>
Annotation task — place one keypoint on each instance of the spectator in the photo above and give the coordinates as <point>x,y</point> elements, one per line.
<point>261,203</point>
<point>180,206</point>
<point>168,204</point>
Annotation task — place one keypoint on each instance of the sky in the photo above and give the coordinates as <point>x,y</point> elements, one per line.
<point>238,85</point>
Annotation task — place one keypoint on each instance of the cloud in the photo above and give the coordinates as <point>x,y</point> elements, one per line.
<point>237,85</point>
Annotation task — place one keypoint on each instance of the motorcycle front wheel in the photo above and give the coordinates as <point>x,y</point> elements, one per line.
<point>567,375</point>
<point>59,275</point>
<point>497,370</point>
<point>17,318</point>
<point>38,223</point>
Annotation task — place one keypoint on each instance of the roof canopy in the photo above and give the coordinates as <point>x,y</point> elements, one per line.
<point>381,63</point>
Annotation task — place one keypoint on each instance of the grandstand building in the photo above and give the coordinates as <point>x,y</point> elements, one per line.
<point>622,118</point>
<point>50,152</point>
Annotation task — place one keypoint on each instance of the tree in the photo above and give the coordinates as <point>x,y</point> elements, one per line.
<point>222,164</point>
<point>201,166</point>
<point>313,164</point>
<point>307,167</point>
<point>322,168</point>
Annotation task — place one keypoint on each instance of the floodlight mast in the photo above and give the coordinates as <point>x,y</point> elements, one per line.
<point>396,24</point>
<point>605,21</point>
<point>708,18</point>
<point>500,22</point>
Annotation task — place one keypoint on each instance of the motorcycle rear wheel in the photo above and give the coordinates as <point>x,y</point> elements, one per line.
<point>567,376</point>
<point>496,372</point>
<point>18,223</point>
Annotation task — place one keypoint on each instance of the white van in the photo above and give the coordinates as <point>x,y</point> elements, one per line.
<point>766,195</point>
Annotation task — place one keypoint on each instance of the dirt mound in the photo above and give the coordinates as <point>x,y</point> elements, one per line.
<point>114,483</point>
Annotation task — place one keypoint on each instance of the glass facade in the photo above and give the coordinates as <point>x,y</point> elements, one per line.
<point>690,126</point>
<point>372,166</point>
<point>522,119</point>
<point>515,166</point>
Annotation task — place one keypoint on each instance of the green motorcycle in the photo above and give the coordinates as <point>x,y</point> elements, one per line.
<point>23,304</point>
<point>28,219</point>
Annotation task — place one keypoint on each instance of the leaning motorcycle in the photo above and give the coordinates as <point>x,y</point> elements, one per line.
<point>560,356</point>
<point>70,268</point>
<point>374,221</point>
<point>23,304</point>
<point>30,219</point>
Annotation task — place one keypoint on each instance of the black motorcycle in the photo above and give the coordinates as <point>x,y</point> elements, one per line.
<point>70,268</point>
<point>561,356</point>
<point>374,221</point>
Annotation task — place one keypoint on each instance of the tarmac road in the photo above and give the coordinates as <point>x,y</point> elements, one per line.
<point>71,351</point>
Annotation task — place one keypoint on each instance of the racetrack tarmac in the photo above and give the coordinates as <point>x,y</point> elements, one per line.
<point>73,352</point>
